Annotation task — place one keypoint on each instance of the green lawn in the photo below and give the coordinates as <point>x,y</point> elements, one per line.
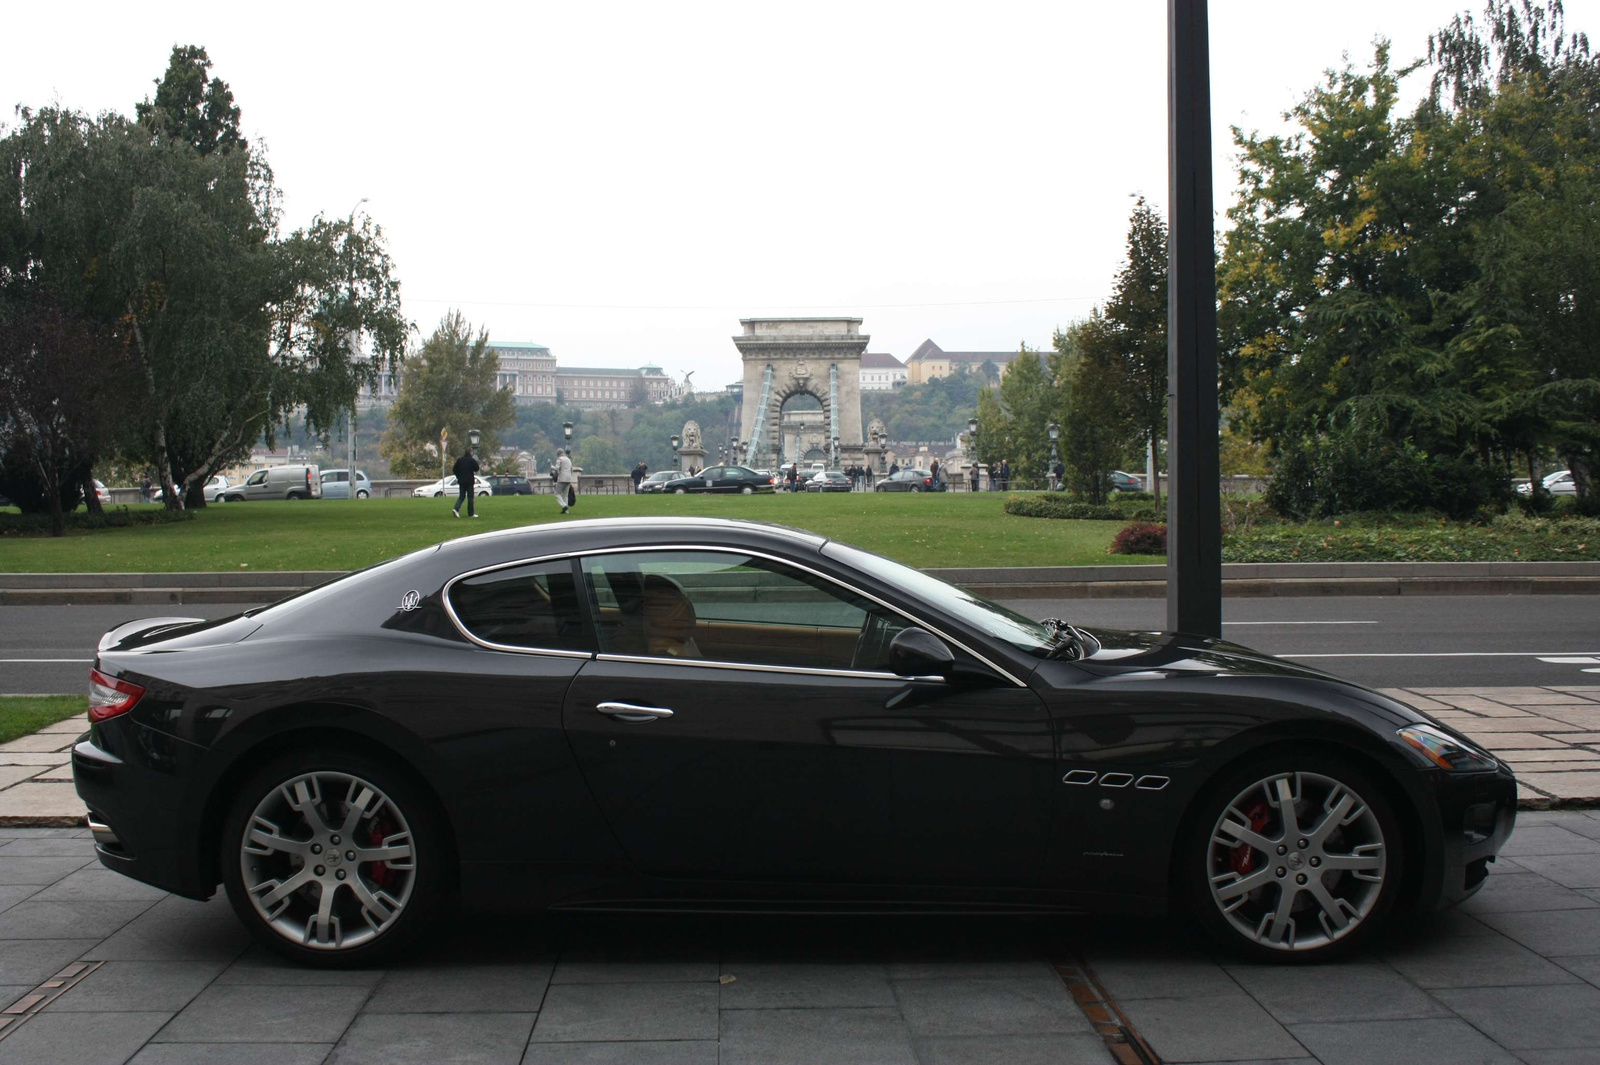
<point>21,715</point>
<point>921,530</point>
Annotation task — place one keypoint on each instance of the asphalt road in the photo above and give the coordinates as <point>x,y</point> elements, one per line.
<point>1382,641</point>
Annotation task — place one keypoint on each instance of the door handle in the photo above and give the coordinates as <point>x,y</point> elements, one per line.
<point>632,713</point>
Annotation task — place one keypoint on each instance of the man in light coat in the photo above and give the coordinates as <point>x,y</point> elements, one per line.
<point>566,480</point>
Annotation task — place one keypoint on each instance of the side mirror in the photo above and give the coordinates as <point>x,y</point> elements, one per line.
<point>919,653</point>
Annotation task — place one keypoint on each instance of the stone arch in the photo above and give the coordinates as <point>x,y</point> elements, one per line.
<point>788,357</point>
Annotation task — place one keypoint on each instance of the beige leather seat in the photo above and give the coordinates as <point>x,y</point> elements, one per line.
<point>669,619</point>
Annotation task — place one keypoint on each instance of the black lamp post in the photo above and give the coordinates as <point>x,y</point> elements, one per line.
<point>566,430</point>
<point>1055,434</point>
<point>474,436</point>
<point>675,441</point>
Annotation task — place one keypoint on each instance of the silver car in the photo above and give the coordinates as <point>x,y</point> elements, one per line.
<point>277,482</point>
<point>336,484</point>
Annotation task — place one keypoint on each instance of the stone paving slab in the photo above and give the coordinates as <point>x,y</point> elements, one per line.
<point>1514,975</point>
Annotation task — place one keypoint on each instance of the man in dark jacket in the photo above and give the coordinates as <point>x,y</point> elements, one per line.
<point>466,471</point>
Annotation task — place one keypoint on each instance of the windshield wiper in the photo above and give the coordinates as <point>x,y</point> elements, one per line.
<point>1071,642</point>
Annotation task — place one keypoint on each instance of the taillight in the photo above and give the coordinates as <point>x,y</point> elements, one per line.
<point>927,480</point>
<point>109,696</point>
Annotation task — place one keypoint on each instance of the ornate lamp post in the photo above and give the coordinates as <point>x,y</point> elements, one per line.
<point>1055,434</point>
<point>566,430</point>
<point>833,462</point>
<point>474,436</point>
<point>676,441</point>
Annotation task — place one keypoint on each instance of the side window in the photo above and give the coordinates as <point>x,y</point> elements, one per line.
<point>533,606</point>
<point>259,477</point>
<point>731,607</point>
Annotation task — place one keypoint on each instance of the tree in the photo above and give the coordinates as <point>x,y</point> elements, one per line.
<point>1096,431</point>
<point>167,234</point>
<point>597,454</point>
<point>187,107</point>
<point>449,384</point>
<point>60,397</point>
<point>1126,339</point>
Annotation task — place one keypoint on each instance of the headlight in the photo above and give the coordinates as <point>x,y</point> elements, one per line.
<point>1445,751</point>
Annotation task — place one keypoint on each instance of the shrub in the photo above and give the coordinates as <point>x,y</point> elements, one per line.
<point>1057,505</point>
<point>1140,538</point>
<point>1345,472</point>
<point>81,522</point>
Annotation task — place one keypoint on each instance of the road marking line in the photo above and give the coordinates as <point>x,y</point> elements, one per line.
<point>1300,623</point>
<point>1435,654</point>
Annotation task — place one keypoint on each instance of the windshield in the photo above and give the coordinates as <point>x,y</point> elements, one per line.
<point>992,619</point>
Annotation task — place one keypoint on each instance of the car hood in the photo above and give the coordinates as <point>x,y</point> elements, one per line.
<point>1122,651</point>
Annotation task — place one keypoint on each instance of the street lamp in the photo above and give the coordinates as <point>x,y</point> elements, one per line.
<point>1055,434</point>
<point>833,465</point>
<point>474,436</point>
<point>566,429</point>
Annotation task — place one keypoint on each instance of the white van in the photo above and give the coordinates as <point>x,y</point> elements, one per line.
<point>277,482</point>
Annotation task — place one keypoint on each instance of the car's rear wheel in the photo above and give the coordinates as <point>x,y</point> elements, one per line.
<point>677,491</point>
<point>333,858</point>
<point>1292,858</point>
<point>361,495</point>
<point>916,488</point>
<point>746,490</point>
<point>294,495</point>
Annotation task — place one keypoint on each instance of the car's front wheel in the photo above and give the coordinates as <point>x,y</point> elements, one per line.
<point>1295,857</point>
<point>332,857</point>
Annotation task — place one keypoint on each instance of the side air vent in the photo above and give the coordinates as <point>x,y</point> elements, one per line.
<point>1151,783</point>
<point>1080,776</point>
<point>1116,780</point>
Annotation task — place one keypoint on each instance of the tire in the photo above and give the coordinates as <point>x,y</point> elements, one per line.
<point>398,899</point>
<point>678,491</point>
<point>361,495</point>
<point>916,488</point>
<point>438,495</point>
<point>294,495</point>
<point>746,490</point>
<point>1262,922</point>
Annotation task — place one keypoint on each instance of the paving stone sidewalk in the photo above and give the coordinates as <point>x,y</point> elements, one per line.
<point>1550,736</point>
<point>151,979</point>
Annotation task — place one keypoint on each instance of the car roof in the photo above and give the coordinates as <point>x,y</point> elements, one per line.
<point>556,536</point>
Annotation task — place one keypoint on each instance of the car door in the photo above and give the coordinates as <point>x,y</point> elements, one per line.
<point>740,723</point>
<point>256,486</point>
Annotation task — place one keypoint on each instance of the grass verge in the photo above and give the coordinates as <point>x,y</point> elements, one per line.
<point>920,530</point>
<point>23,715</point>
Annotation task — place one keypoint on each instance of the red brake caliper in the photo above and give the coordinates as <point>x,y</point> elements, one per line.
<point>380,870</point>
<point>1244,855</point>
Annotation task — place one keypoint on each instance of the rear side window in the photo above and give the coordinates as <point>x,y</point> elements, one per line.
<point>533,606</point>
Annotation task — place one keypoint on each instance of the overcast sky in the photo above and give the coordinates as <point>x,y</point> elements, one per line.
<point>624,182</point>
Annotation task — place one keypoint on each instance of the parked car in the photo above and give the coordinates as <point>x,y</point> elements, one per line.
<point>447,487</point>
<point>829,481</point>
<point>656,481</point>
<point>714,715</point>
<point>1125,482</point>
<point>213,489</point>
<point>508,484</point>
<point>721,479</point>
<point>1559,483</point>
<point>910,481</point>
<point>336,484</point>
<point>102,493</point>
<point>276,482</point>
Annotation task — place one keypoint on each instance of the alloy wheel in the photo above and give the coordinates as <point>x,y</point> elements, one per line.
<point>327,861</point>
<point>1296,861</point>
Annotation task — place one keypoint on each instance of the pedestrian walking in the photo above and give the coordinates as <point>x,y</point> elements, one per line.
<point>566,495</point>
<point>144,489</point>
<point>933,470</point>
<point>1005,475</point>
<point>972,477</point>
<point>869,475</point>
<point>638,475</point>
<point>466,471</point>
<point>1056,473</point>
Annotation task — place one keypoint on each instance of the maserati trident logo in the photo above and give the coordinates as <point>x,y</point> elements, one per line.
<point>411,600</point>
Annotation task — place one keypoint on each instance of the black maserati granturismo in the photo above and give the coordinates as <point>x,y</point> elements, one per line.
<point>698,715</point>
